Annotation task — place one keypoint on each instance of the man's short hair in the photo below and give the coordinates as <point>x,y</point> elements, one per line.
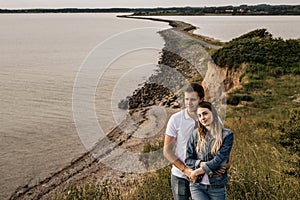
<point>195,87</point>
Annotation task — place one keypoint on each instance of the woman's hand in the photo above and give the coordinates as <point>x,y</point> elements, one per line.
<point>193,176</point>
<point>202,163</point>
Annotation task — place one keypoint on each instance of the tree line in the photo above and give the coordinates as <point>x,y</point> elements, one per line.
<point>262,9</point>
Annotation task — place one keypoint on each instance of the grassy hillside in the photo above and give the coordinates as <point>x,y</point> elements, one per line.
<point>264,115</point>
<point>265,120</point>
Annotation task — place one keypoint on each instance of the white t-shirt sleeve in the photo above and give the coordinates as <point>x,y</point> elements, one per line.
<point>171,129</point>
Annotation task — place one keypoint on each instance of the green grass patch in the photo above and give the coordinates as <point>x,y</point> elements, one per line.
<point>89,191</point>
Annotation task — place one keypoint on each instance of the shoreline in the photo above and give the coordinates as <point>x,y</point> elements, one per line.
<point>86,167</point>
<point>183,27</point>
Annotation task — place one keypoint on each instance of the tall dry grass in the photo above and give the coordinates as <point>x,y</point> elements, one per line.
<point>261,165</point>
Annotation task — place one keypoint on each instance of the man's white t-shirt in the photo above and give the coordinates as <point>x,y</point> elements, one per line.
<point>180,126</point>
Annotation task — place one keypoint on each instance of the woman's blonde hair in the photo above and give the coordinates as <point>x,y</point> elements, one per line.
<point>215,130</point>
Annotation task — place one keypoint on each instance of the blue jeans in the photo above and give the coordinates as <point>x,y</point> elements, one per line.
<point>180,188</point>
<point>207,192</point>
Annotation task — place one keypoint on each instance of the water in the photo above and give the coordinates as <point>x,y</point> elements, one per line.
<point>225,28</point>
<point>41,55</point>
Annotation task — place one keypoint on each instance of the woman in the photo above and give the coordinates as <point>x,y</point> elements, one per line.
<point>208,150</point>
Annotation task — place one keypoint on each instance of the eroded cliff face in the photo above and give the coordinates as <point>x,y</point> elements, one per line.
<point>219,82</point>
<point>231,77</point>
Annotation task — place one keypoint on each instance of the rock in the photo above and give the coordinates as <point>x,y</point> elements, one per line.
<point>175,105</point>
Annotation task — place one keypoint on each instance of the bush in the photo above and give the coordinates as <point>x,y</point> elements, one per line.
<point>264,54</point>
<point>235,99</point>
<point>290,138</point>
<point>291,131</point>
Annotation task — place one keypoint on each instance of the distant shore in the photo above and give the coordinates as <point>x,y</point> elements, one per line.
<point>261,9</point>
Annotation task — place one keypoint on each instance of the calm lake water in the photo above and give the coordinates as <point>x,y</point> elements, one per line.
<point>41,55</point>
<point>225,28</point>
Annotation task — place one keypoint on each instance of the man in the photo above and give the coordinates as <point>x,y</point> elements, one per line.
<point>179,128</point>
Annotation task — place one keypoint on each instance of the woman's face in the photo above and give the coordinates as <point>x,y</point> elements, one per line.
<point>205,116</point>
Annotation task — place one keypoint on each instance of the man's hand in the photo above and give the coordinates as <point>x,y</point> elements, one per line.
<point>187,171</point>
<point>223,169</point>
<point>220,171</point>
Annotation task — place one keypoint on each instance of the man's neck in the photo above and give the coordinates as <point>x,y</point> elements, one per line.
<point>193,115</point>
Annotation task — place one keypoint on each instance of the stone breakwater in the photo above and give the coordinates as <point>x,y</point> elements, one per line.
<point>182,59</point>
<point>176,67</point>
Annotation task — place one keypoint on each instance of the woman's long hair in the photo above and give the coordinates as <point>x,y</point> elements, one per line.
<point>216,127</point>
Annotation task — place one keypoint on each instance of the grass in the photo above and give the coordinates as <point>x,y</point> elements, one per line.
<point>261,167</point>
<point>154,185</point>
<point>89,191</point>
<point>260,164</point>
<point>266,158</point>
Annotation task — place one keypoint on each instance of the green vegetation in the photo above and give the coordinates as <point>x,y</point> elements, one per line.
<point>266,123</point>
<point>290,138</point>
<point>154,186</point>
<point>291,129</point>
<point>89,191</point>
<point>264,54</point>
<point>262,167</point>
<point>262,9</point>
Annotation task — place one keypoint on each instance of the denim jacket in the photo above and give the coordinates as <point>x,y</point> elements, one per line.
<point>213,162</point>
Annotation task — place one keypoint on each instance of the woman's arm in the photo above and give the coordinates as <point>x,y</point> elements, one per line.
<point>191,159</point>
<point>197,172</point>
<point>221,157</point>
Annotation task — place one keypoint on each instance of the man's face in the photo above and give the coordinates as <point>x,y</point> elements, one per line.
<point>191,101</point>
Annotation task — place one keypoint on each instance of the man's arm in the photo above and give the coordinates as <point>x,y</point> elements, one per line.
<point>169,147</point>
<point>225,167</point>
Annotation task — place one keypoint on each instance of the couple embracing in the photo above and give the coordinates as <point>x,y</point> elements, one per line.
<point>199,147</point>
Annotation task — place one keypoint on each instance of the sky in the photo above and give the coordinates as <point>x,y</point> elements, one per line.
<point>133,3</point>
